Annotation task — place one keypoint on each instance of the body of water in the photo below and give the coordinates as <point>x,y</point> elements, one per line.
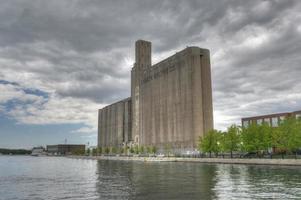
<point>26,177</point>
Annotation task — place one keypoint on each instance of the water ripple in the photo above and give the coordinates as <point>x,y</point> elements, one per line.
<point>62,178</point>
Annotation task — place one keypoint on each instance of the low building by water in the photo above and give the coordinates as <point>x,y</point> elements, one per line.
<point>65,149</point>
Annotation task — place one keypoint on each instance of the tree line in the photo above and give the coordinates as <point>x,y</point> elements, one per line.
<point>256,138</point>
<point>125,150</point>
<point>14,151</point>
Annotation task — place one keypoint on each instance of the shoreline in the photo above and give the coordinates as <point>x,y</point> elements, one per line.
<point>252,161</point>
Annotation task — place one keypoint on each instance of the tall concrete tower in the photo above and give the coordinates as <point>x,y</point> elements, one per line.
<point>170,103</point>
<point>142,63</point>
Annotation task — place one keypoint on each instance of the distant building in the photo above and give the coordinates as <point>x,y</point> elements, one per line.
<point>65,149</point>
<point>170,103</point>
<point>115,124</point>
<point>271,119</point>
<point>36,151</point>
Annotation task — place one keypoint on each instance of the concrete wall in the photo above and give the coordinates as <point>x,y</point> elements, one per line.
<point>176,100</point>
<point>142,62</point>
<point>170,104</point>
<point>114,124</point>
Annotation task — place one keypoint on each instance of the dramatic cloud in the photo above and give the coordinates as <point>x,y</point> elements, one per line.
<point>79,54</point>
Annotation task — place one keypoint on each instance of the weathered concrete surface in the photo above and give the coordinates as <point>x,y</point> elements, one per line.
<point>288,162</point>
<point>114,124</point>
<point>142,62</point>
<point>172,100</point>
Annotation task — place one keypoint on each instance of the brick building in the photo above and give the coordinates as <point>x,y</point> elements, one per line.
<point>271,119</point>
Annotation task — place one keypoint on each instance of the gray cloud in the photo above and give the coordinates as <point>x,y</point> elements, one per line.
<point>84,50</point>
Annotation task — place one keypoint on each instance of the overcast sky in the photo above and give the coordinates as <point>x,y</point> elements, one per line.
<point>62,60</point>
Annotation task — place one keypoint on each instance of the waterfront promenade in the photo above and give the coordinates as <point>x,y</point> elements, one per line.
<point>252,161</point>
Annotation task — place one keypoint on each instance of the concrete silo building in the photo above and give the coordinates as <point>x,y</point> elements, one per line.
<point>170,103</point>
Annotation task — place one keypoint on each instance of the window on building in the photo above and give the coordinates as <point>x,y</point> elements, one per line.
<point>274,122</point>
<point>259,121</point>
<point>267,120</point>
<point>245,124</point>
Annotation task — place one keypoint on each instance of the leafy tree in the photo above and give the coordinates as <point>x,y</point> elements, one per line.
<point>99,151</point>
<point>210,142</point>
<point>136,149</point>
<point>294,141</point>
<point>107,150</point>
<point>88,152</point>
<point>125,149</point>
<point>141,149</point>
<point>15,151</point>
<point>78,152</point>
<point>167,149</point>
<point>267,133</point>
<point>222,143</point>
<point>93,152</point>
<point>121,150</point>
<point>149,149</point>
<point>103,150</point>
<point>154,149</point>
<point>287,137</point>
<point>113,150</point>
<point>132,150</point>
<point>231,140</point>
<point>257,138</point>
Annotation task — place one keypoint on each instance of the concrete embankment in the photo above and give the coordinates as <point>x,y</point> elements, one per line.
<point>288,162</point>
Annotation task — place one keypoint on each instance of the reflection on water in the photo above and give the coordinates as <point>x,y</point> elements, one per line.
<point>132,180</point>
<point>136,180</point>
<point>63,178</point>
<point>257,182</point>
<point>26,177</point>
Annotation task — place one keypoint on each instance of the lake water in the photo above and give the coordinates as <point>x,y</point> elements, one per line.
<point>26,177</point>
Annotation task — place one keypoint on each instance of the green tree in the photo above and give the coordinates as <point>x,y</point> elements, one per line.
<point>251,138</point>
<point>99,151</point>
<point>113,150</point>
<point>141,149</point>
<point>136,149</point>
<point>103,150</point>
<point>210,142</point>
<point>266,136</point>
<point>107,150</point>
<point>167,149</point>
<point>294,141</point>
<point>149,149</point>
<point>125,149</point>
<point>222,143</point>
<point>88,151</point>
<point>153,149</point>
<point>287,137</point>
<point>121,149</point>
<point>132,150</point>
<point>231,140</point>
<point>93,152</point>
<point>78,152</point>
<point>257,138</point>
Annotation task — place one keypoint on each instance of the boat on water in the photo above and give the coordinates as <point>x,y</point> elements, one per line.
<point>38,151</point>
